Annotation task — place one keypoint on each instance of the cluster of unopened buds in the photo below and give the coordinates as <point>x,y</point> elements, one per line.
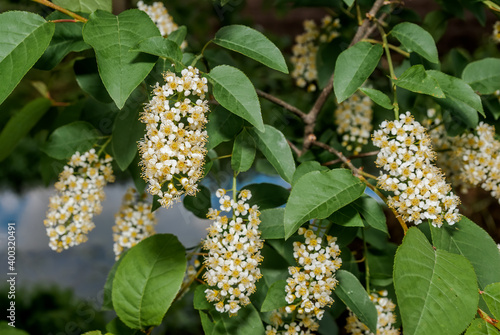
<point>173,148</point>
<point>353,118</point>
<point>385,320</point>
<point>233,245</point>
<point>306,47</point>
<point>496,32</point>
<point>420,189</point>
<point>78,199</point>
<point>160,16</point>
<point>310,284</point>
<point>133,223</point>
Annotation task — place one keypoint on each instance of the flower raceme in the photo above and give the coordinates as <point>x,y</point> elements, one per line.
<point>420,190</point>
<point>79,195</point>
<point>233,253</point>
<point>310,284</point>
<point>133,222</point>
<point>173,148</point>
<point>385,320</point>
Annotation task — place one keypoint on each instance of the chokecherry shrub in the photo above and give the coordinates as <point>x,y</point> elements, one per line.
<point>347,169</point>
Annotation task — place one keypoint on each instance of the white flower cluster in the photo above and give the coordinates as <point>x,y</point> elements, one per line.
<point>133,223</point>
<point>311,284</point>
<point>385,321</point>
<point>496,32</point>
<point>306,48</point>
<point>173,148</point>
<point>420,190</point>
<point>353,118</point>
<point>79,195</point>
<point>233,253</point>
<point>160,16</point>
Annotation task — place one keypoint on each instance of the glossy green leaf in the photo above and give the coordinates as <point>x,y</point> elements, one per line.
<point>200,301</point>
<point>483,75</point>
<point>206,322</point>
<point>6,329</point>
<point>135,171</point>
<point>305,168</point>
<point>235,92</point>
<point>85,6</point>
<point>417,80</point>
<point>318,194</point>
<point>21,47</point>
<point>178,36</point>
<point>377,97</point>
<point>372,212</point>
<point>117,327</point>
<point>66,140</point>
<point>481,327</point>
<point>491,296</point>
<point>67,38</point>
<point>353,67</point>
<point>159,46</point>
<point>147,280</point>
<point>93,332</point>
<point>273,144</point>
<point>271,223</point>
<point>200,203</point>
<point>243,152</point>
<point>20,124</point>
<point>222,126</point>
<point>347,216</point>
<point>107,302</point>
<point>436,290</point>
<point>247,322</point>
<point>468,239</point>
<point>267,195</point>
<point>416,39</point>
<point>112,38</point>
<point>251,43</point>
<point>460,98</point>
<point>435,23</point>
<point>275,297</point>
<point>127,130</point>
<point>87,77</point>
<point>354,295</point>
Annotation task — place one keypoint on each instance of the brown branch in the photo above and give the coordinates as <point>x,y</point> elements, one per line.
<point>340,155</point>
<point>294,148</point>
<point>283,104</point>
<point>363,154</point>
<point>365,27</point>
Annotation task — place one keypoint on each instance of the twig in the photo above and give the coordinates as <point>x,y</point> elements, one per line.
<point>294,148</point>
<point>365,27</point>
<point>61,9</point>
<point>283,104</point>
<point>363,154</point>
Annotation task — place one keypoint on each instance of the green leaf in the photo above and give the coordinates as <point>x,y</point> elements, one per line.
<point>6,329</point>
<point>200,203</point>
<point>353,67</point>
<point>318,194</point>
<point>20,124</point>
<point>377,97</point>
<point>243,152</point>
<point>468,239</point>
<point>93,332</point>
<point>354,295</point>
<point>127,130</point>
<point>481,327</point>
<point>67,38</point>
<point>178,36</point>
<point>347,216</point>
<point>135,171</point>
<point>200,301</point>
<point>251,43</point>
<point>460,98</point>
<point>417,80</point>
<point>271,223</point>
<point>267,195</point>
<point>436,290</point>
<point>483,75</point>
<point>107,303</point>
<point>372,212</point>
<point>305,168</point>
<point>222,126</point>
<point>206,322</point>
<point>117,327</point>
<point>84,6</point>
<point>416,39</point>
<point>147,280</point>
<point>273,144</point>
<point>247,322</point>
<point>66,140</point>
<point>349,2</point>
<point>436,23</point>
<point>112,38</point>
<point>159,46</point>
<point>491,296</point>
<point>22,47</point>
<point>275,297</point>
<point>87,77</point>
<point>235,92</point>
